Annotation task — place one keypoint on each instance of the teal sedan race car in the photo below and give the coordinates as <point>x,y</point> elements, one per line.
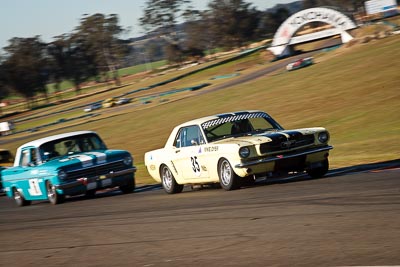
<point>66,164</point>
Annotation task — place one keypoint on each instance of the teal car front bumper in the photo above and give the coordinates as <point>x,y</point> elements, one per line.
<point>83,184</point>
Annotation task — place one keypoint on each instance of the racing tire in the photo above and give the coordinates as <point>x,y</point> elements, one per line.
<point>90,193</point>
<point>228,179</point>
<point>320,171</point>
<point>168,181</point>
<point>248,181</point>
<point>129,187</point>
<point>19,198</point>
<point>52,195</point>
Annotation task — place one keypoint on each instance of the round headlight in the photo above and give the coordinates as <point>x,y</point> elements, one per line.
<point>62,175</point>
<point>244,152</point>
<point>128,160</point>
<point>323,137</point>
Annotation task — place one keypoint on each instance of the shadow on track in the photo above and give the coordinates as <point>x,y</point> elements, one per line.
<point>379,166</point>
<point>370,167</point>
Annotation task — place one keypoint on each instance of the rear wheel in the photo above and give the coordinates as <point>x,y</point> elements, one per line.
<point>19,199</point>
<point>227,177</point>
<point>54,197</point>
<point>90,193</point>
<point>319,171</point>
<point>168,181</point>
<point>129,187</point>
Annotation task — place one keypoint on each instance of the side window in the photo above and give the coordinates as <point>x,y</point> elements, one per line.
<point>97,143</point>
<point>25,157</point>
<point>178,139</point>
<point>189,136</point>
<point>28,157</point>
<point>194,136</point>
<point>86,144</point>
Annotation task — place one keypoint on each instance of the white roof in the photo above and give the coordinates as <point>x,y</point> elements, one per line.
<point>217,116</point>
<point>202,120</point>
<point>39,142</point>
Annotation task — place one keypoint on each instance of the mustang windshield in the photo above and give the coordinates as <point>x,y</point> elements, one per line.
<point>239,125</point>
<point>71,145</point>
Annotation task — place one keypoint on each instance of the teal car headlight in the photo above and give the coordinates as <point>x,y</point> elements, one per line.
<point>62,175</point>
<point>128,160</point>
<point>244,152</point>
<point>323,137</point>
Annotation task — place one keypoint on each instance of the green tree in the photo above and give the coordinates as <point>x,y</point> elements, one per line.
<point>198,35</point>
<point>58,59</point>
<point>100,35</point>
<point>4,91</point>
<point>163,15</point>
<point>344,5</point>
<point>80,62</point>
<point>279,16</point>
<point>232,22</point>
<point>25,67</point>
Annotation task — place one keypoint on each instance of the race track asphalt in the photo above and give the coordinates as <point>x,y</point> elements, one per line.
<point>344,219</point>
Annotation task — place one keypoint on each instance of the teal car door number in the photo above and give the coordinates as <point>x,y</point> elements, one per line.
<point>34,187</point>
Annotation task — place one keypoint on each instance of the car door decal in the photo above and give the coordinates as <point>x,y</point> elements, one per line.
<point>34,187</point>
<point>195,165</point>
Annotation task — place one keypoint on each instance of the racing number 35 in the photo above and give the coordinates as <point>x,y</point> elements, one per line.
<point>195,164</point>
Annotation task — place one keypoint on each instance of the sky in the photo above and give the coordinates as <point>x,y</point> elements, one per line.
<point>49,18</point>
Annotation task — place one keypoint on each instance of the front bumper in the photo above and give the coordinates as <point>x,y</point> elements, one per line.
<point>95,179</point>
<point>283,156</point>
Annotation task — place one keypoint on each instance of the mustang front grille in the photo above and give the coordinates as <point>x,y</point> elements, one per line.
<point>280,143</point>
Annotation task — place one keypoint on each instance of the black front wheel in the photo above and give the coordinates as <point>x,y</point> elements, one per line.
<point>129,187</point>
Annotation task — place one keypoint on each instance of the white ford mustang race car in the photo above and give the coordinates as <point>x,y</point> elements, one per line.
<point>234,147</point>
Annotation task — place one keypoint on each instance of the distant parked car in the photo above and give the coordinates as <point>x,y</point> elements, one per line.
<point>108,103</point>
<point>6,158</point>
<point>6,127</point>
<point>123,100</point>
<point>301,63</point>
<point>93,107</point>
<point>71,164</point>
<point>236,147</point>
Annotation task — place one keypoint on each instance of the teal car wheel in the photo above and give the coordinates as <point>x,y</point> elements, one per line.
<point>90,193</point>
<point>129,187</point>
<point>19,198</point>
<point>54,197</point>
